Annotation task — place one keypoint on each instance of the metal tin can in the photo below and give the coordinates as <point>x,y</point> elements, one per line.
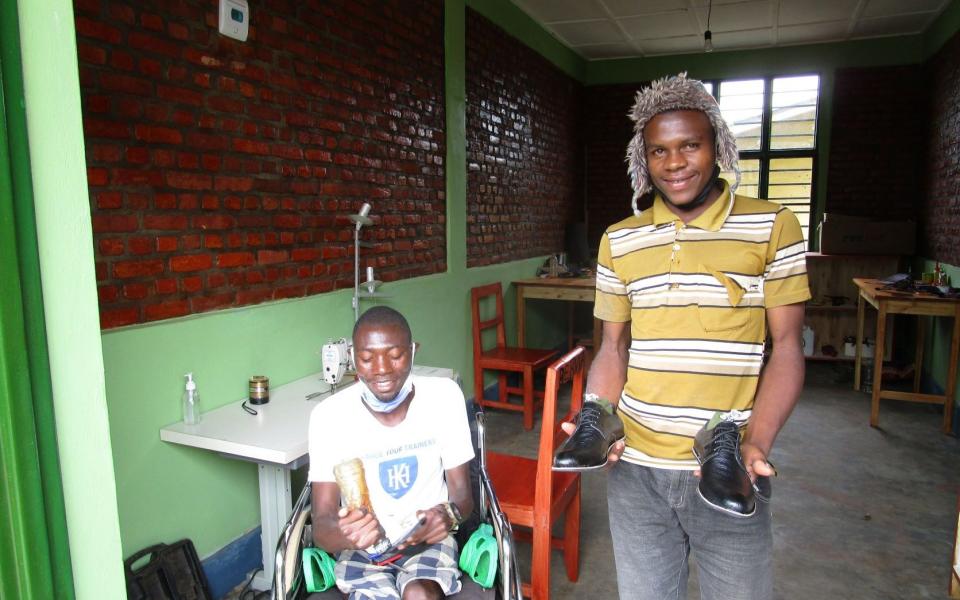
<point>353,484</point>
<point>259,389</point>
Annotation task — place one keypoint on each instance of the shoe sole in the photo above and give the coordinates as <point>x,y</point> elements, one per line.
<point>578,469</point>
<point>732,513</point>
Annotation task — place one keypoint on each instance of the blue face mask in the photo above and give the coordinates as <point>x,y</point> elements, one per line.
<point>376,404</point>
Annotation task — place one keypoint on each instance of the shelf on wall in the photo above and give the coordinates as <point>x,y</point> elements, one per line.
<point>831,278</point>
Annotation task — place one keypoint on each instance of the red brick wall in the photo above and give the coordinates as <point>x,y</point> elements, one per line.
<point>607,131</point>
<point>524,162</point>
<point>220,172</point>
<point>940,218</point>
<point>877,133</point>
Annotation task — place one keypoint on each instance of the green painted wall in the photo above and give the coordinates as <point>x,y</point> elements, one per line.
<point>21,485</point>
<point>52,95</point>
<point>32,497</point>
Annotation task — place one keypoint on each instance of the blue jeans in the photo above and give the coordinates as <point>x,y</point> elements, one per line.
<point>657,517</point>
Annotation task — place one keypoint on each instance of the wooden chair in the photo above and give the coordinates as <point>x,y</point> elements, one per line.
<point>534,496</point>
<point>505,359</point>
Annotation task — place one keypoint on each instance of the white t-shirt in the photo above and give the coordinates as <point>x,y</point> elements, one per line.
<point>403,465</point>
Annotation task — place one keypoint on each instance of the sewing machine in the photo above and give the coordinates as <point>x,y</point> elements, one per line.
<point>336,360</point>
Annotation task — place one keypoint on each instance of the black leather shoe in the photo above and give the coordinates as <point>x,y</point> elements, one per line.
<point>587,448</point>
<point>724,482</point>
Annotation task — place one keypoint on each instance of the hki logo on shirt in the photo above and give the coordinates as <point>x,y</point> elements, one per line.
<point>397,476</point>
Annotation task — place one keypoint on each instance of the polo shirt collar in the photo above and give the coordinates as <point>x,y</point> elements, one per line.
<point>711,219</point>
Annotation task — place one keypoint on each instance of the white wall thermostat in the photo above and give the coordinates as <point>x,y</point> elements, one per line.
<point>235,19</point>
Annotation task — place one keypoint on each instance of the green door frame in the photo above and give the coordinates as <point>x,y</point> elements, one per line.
<point>34,550</point>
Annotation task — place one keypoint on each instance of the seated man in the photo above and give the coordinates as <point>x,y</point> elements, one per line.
<point>412,436</point>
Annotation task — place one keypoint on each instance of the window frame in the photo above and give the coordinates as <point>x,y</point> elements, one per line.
<point>765,154</point>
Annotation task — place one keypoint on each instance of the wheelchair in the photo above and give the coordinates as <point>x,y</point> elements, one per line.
<point>289,581</point>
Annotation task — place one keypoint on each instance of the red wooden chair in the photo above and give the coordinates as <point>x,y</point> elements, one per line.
<point>534,496</point>
<point>505,359</point>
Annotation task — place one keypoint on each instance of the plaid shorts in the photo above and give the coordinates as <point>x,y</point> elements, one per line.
<point>364,580</point>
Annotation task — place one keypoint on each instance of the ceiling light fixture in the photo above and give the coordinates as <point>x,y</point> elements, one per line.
<point>707,35</point>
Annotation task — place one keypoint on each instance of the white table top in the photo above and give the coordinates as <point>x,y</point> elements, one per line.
<point>278,433</point>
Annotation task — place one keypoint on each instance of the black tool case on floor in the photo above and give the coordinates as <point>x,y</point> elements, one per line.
<point>172,572</point>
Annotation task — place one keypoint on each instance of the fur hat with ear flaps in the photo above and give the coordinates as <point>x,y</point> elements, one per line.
<point>675,93</point>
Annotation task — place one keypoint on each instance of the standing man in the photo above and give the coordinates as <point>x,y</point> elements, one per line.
<point>688,291</point>
<point>412,435</point>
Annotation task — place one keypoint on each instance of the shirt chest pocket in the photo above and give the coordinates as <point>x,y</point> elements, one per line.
<point>729,301</point>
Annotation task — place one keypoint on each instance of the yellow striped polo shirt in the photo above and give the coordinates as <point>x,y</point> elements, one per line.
<point>695,295</point>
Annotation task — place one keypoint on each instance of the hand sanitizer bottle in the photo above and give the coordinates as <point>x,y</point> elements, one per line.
<point>191,401</point>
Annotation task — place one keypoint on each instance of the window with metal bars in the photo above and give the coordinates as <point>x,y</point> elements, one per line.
<point>775,122</point>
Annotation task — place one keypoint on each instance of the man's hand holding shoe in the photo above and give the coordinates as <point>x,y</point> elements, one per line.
<point>755,460</point>
<point>733,474</point>
<point>596,439</point>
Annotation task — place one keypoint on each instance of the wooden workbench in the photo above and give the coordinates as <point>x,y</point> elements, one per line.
<point>889,302</point>
<point>573,289</point>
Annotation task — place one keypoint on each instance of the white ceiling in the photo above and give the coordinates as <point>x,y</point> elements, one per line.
<point>602,29</point>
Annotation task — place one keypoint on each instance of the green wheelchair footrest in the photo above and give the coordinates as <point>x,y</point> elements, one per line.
<point>478,558</point>
<point>318,570</point>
